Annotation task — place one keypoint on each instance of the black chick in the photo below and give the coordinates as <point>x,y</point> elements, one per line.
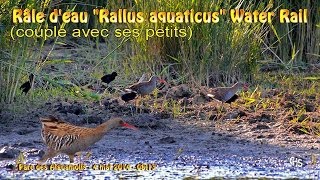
<point>232,99</point>
<point>109,77</point>
<point>25,87</point>
<point>129,96</point>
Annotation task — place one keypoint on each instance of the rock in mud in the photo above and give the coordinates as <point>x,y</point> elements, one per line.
<point>235,114</point>
<point>302,117</point>
<point>312,97</point>
<point>110,103</point>
<point>198,99</point>
<point>162,115</point>
<point>167,140</point>
<point>23,144</point>
<point>147,143</point>
<point>25,131</point>
<point>148,121</point>
<point>262,118</point>
<point>310,107</point>
<point>266,118</point>
<point>73,108</point>
<point>143,110</point>
<point>260,127</point>
<point>10,166</point>
<point>260,136</point>
<point>5,118</point>
<point>288,100</point>
<point>289,105</point>
<point>8,152</point>
<point>71,118</point>
<point>297,130</point>
<point>213,116</point>
<point>92,119</point>
<point>184,101</point>
<point>180,91</point>
<point>270,93</point>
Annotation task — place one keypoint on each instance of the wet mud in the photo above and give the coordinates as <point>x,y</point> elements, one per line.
<point>206,140</point>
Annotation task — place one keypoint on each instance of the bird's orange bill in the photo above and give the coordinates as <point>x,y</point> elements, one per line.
<point>127,125</point>
<point>162,81</point>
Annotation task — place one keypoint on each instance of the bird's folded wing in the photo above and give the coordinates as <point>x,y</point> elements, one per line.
<point>58,127</point>
<point>58,134</point>
<point>228,95</point>
<point>134,87</point>
<point>137,86</point>
<point>233,98</point>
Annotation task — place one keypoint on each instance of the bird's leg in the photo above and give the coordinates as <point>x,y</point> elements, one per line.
<point>137,103</point>
<point>102,95</point>
<point>49,154</point>
<point>79,155</point>
<point>142,100</point>
<point>141,103</point>
<point>104,92</point>
<point>71,158</point>
<point>131,110</point>
<point>145,98</point>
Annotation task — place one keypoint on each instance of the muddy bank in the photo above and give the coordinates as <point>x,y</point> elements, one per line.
<point>197,143</point>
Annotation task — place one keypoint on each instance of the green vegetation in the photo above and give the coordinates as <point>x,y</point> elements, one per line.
<point>270,55</point>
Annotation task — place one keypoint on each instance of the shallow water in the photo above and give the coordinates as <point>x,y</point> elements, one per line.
<point>184,166</point>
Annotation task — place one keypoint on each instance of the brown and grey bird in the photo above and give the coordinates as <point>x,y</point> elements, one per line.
<point>64,138</point>
<point>227,94</point>
<point>108,78</point>
<point>25,87</point>
<point>146,87</point>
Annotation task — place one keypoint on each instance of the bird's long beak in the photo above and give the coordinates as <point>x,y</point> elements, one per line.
<point>127,125</point>
<point>162,81</point>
